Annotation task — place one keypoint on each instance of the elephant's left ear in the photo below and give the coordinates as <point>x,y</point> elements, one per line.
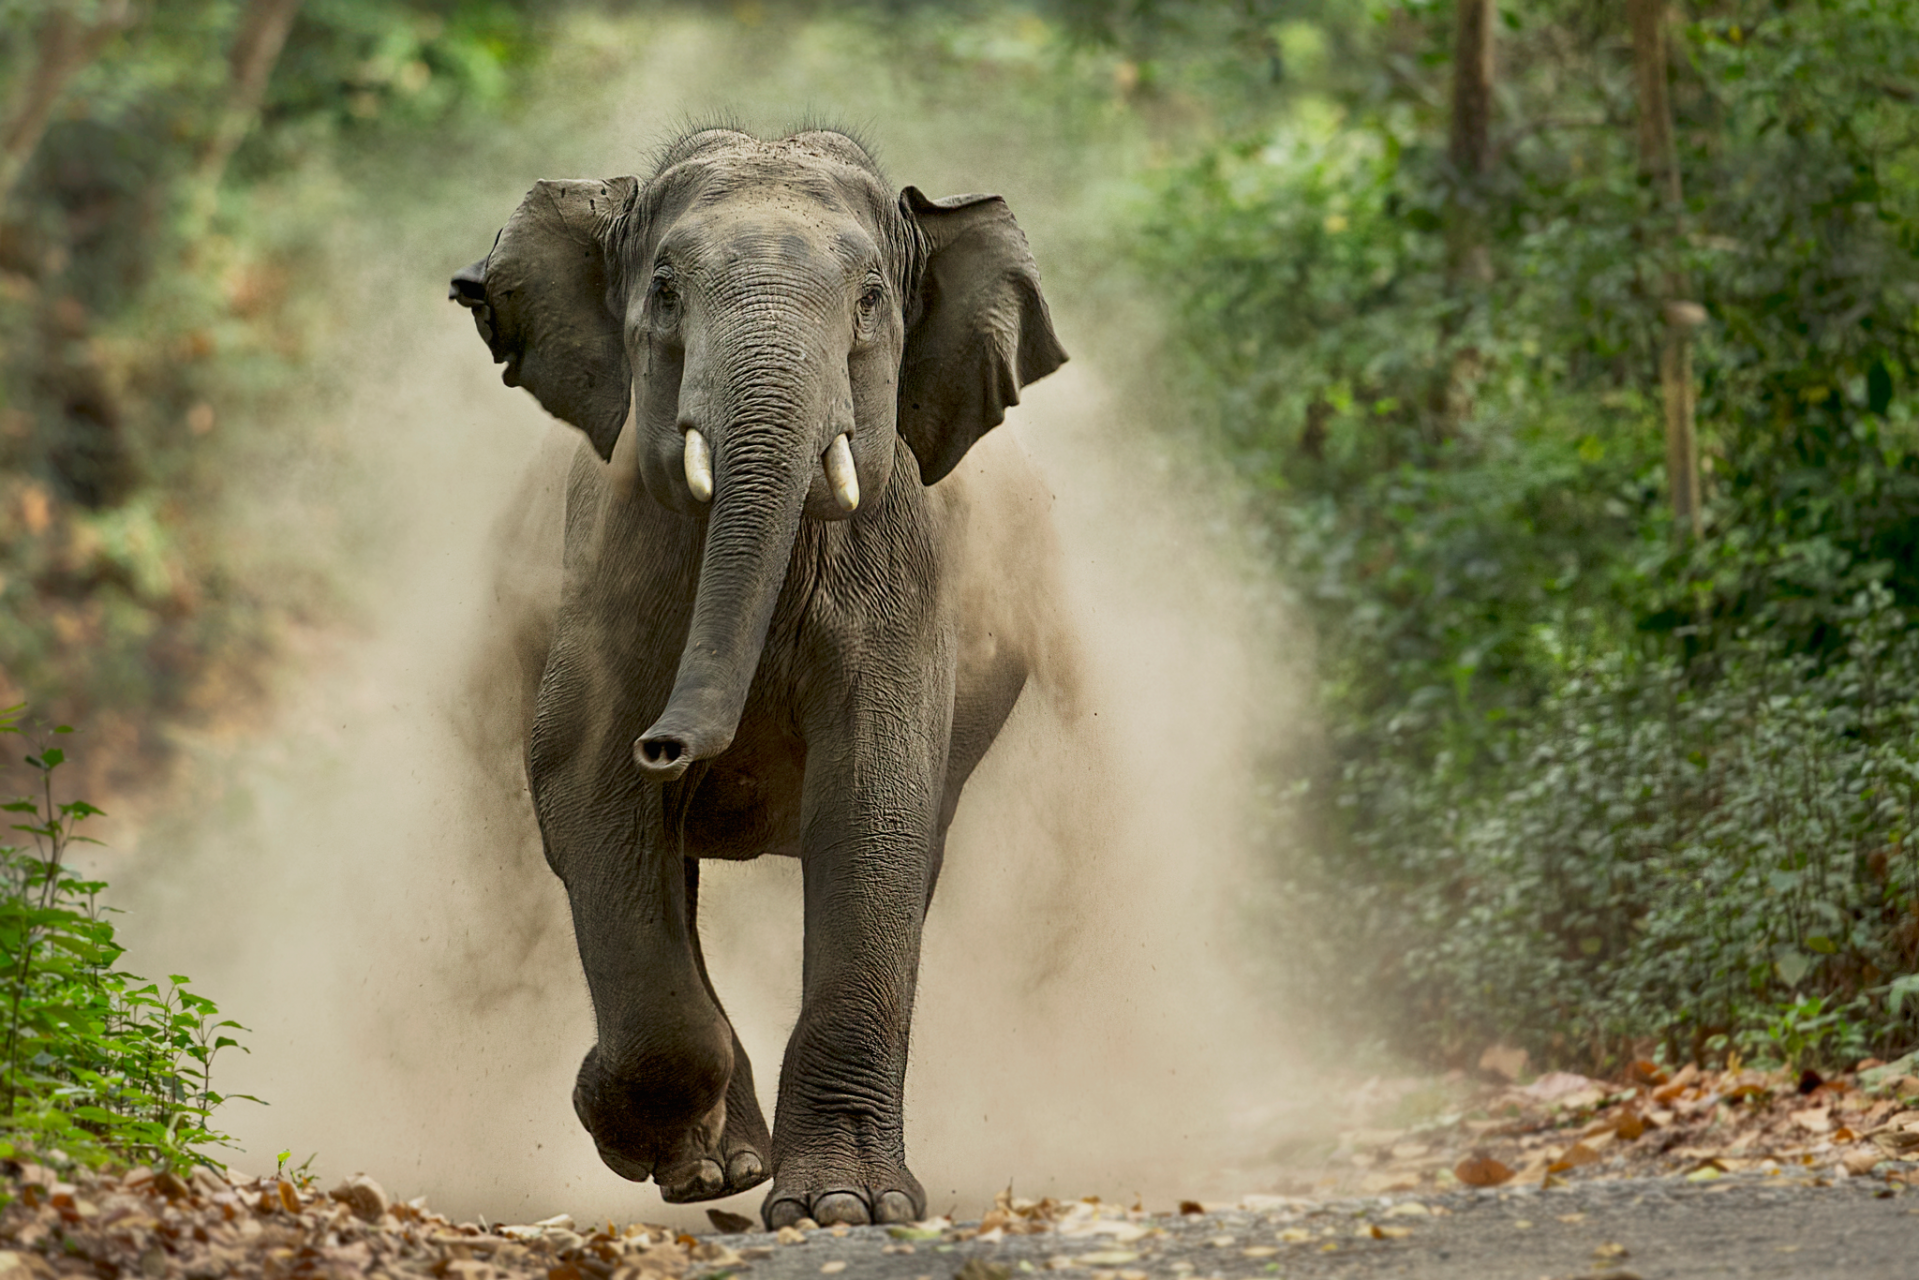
<point>978,331</point>
<point>541,302</point>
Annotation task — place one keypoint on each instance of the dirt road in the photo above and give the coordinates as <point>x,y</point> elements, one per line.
<point>164,1227</point>
<point>1655,1229</point>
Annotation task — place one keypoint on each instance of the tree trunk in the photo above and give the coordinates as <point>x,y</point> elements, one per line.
<point>256,48</point>
<point>64,47</point>
<point>1659,161</point>
<point>1471,141</point>
<point>1468,257</point>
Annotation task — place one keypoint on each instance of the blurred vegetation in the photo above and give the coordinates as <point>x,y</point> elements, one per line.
<point>1585,782</point>
<point>153,250</point>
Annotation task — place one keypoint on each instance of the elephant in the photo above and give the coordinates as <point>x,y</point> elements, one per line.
<point>793,616</point>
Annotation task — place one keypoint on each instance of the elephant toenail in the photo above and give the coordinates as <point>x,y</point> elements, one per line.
<point>744,1170</point>
<point>782,1213</point>
<point>895,1206</point>
<point>702,1180</point>
<point>841,1207</point>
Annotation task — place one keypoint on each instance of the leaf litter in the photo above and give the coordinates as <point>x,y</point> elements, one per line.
<point>62,1220</point>
<point>1695,1123</point>
<point>160,1226</point>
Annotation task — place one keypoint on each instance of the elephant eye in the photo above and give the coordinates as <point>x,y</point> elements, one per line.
<point>665,295</point>
<point>870,299</point>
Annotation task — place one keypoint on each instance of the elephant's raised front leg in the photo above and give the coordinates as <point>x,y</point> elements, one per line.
<point>871,809</point>
<point>654,1090</point>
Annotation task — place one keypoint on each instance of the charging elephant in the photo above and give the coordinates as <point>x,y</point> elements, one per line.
<point>785,626</point>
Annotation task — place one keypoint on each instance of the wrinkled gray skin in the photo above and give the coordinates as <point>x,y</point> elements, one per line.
<point>765,673</point>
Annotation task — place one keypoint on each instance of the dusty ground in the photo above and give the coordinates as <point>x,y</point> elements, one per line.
<point>1733,1173</point>
<point>1738,1225</point>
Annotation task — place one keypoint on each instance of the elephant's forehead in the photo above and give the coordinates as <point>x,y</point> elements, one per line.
<point>793,172</point>
<point>798,234</point>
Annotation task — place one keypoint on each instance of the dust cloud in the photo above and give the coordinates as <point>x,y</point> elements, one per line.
<point>361,883</point>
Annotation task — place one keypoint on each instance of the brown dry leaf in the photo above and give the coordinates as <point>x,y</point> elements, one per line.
<point>1687,1076</point>
<point>1631,1127</point>
<point>1482,1171</point>
<point>731,1223</point>
<point>1861,1160</point>
<point>1812,1121</point>
<point>1606,1251</point>
<point>1577,1156</point>
<point>1899,1142</point>
<point>1646,1072</point>
<point>1191,1207</point>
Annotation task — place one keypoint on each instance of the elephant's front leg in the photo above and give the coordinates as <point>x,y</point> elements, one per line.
<point>871,809</point>
<point>652,1090</point>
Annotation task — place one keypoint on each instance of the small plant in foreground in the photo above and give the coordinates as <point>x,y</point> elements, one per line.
<point>95,1062</point>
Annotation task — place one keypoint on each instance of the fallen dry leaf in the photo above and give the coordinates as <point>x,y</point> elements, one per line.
<point>1577,1156</point>
<point>1813,1121</point>
<point>1482,1171</point>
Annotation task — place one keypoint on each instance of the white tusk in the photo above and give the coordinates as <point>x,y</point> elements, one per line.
<point>841,475</point>
<point>699,467</point>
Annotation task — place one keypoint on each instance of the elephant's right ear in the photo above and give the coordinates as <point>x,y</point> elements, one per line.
<point>540,300</point>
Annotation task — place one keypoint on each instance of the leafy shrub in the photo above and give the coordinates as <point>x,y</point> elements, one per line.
<point>1588,785</point>
<point>1715,860</point>
<point>96,1062</point>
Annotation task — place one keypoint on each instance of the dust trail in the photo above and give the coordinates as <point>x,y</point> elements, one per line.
<point>362,885</point>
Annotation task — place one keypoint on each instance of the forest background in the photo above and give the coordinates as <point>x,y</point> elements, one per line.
<point>1561,353</point>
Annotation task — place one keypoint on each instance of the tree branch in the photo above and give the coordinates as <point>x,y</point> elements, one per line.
<point>64,47</point>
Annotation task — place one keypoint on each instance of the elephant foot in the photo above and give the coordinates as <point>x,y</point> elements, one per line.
<point>873,1192</point>
<point>674,1124</point>
<point>739,1162</point>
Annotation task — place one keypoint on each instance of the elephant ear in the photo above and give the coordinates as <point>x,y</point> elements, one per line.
<point>540,300</point>
<point>977,332</point>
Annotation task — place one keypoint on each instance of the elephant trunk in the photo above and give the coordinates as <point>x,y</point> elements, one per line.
<point>762,474</point>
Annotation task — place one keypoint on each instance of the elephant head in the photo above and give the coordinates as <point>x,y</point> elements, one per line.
<point>773,317</point>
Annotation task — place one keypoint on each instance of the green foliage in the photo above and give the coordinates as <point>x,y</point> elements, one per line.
<point>1589,785</point>
<point>155,330</point>
<point>1670,854</point>
<point>97,1062</point>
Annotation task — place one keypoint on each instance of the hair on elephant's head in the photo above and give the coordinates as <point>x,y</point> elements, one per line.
<point>775,317</point>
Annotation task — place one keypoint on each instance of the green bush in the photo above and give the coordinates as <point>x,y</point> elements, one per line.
<point>96,1063</point>
<point>1587,786</point>
<point>1712,860</point>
